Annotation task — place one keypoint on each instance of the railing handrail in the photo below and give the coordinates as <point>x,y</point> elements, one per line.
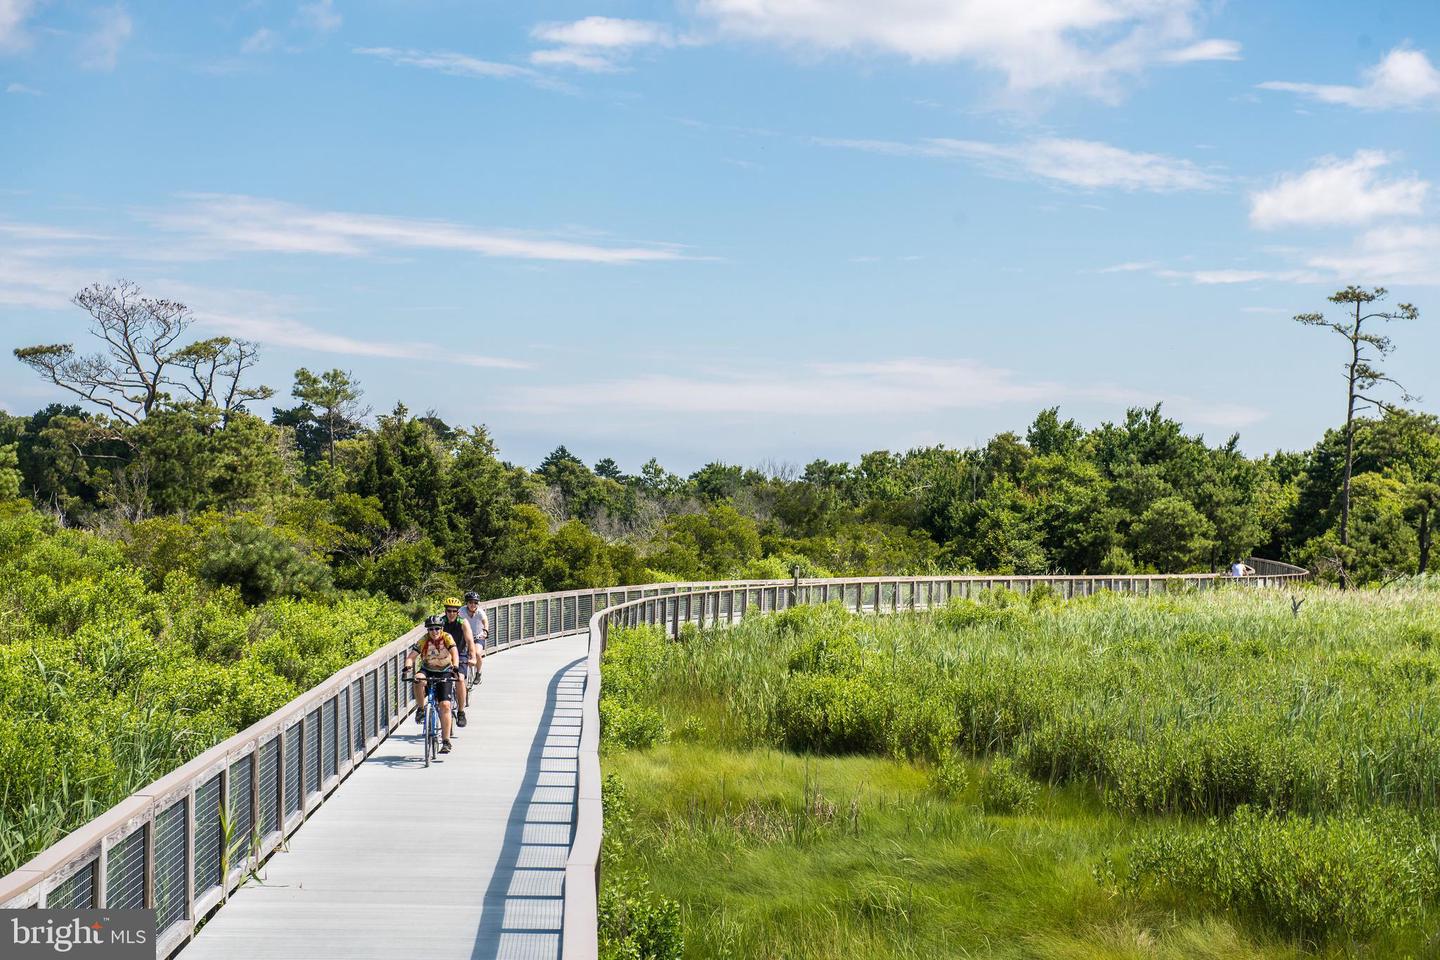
<point>358,706</point>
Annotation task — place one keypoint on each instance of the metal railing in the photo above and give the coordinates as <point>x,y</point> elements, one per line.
<point>184,843</point>
<point>722,604</point>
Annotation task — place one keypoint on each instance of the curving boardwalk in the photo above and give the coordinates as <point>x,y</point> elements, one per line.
<point>463,860</point>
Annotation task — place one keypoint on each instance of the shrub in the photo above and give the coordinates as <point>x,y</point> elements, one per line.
<point>1338,875</point>
<point>261,564</point>
<point>951,776</point>
<point>636,923</point>
<point>630,725</point>
<point>825,713</point>
<point>1003,789</point>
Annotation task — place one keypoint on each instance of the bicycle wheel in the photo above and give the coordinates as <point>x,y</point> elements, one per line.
<point>429,732</point>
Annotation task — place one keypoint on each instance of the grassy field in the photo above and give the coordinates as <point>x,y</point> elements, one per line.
<point>1216,775</point>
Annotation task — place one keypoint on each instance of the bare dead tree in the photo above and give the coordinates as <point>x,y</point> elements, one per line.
<point>1362,375</point>
<point>215,370</point>
<point>127,377</point>
<point>139,358</point>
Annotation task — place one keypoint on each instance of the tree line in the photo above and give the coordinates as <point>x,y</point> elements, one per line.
<point>162,450</point>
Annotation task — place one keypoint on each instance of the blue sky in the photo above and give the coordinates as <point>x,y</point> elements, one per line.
<point>744,229</point>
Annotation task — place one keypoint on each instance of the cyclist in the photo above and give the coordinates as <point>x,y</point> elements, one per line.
<point>459,631</point>
<point>479,628</point>
<point>438,660</point>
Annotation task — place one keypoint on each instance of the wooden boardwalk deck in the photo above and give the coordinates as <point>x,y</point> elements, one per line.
<point>463,860</point>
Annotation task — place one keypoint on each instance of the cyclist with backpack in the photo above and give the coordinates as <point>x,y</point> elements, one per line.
<point>479,628</point>
<point>459,631</point>
<point>438,660</point>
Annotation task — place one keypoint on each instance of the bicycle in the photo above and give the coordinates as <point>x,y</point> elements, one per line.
<point>431,739</point>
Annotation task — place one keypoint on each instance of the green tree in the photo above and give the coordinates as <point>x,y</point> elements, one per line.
<point>1172,536</point>
<point>1362,376</point>
<point>329,411</point>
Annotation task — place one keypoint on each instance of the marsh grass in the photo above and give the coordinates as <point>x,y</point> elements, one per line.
<point>1020,777</point>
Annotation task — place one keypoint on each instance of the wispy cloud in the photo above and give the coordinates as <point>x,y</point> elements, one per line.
<point>20,88</point>
<point>1078,46</point>
<point>1337,191</point>
<point>1204,50</point>
<point>597,44</point>
<point>820,391</point>
<point>226,224</point>
<point>101,49</point>
<point>320,16</point>
<point>13,14</point>
<point>1404,79</point>
<point>263,40</point>
<point>455,64</point>
<point>1086,164</point>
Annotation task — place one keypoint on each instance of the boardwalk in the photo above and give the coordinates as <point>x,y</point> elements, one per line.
<point>463,860</point>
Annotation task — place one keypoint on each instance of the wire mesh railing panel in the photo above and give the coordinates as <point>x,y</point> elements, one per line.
<point>75,892</point>
<point>587,609</point>
<point>370,705</point>
<point>292,770</point>
<point>207,836</point>
<point>269,793</point>
<point>327,739</point>
<point>125,873</point>
<point>342,721</point>
<point>567,613</point>
<point>389,701</point>
<point>527,619</point>
<point>542,617</point>
<point>238,810</point>
<point>170,866</point>
<point>357,719</point>
<point>312,751</point>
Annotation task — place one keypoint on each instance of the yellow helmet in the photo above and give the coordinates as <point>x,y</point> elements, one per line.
<point>452,602</point>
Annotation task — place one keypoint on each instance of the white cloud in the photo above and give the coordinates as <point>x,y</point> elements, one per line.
<point>1079,44</point>
<point>596,44</point>
<point>571,57</point>
<point>1337,191</point>
<point>13,14</point>
<point>1204,50</point>
<point>811,392</point>
<point>1404,79</point>
<point>101,49</point>
<point>878,388</point>
<point>456,64</point>
<point>223,224</point>
<point>604,32</point>
<point>1388,254</point>
<point>284,331</point>
<point>320,16</point>
<point>1086,164</point>
<point>263,40</point>
<point>21,88</point>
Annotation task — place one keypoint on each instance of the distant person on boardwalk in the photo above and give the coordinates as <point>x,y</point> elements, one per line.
<point>479,628</point>
<point>1241,569</point>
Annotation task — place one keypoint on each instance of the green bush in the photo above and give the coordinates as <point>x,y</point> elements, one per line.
<point>951,776</point>
<point>630,725</point>
<point>1003,789</point>
<point>261,564</point>
<point>636,923</point>
<point>1314,878</point>
<point>825,713</point>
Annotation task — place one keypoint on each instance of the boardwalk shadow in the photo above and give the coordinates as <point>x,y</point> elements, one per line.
<point>524,904</point>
